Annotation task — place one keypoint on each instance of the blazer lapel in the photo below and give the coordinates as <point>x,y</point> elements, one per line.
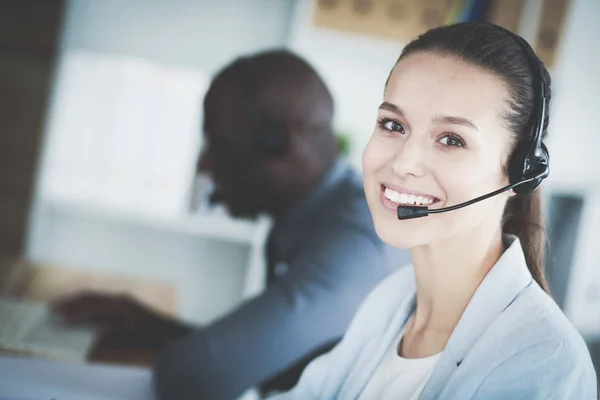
<point>499,288</point>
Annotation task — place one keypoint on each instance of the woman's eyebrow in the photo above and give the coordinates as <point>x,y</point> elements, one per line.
<point>386,105</point>
<point>449,120</point>
<point>438,119</point>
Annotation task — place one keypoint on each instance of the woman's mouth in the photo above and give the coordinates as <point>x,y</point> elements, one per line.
<point>392,198</point>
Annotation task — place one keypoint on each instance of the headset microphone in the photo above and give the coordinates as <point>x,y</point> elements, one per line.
<point>410,212</point>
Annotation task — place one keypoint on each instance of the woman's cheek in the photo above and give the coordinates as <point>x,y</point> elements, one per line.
<point>466,180</point>
<point>378,152</point>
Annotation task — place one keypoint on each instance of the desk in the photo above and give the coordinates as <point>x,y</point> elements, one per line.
<point>28,378</point>
<point>39,281</point>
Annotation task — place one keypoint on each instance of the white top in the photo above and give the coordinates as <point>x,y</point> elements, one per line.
<point>398,378</point>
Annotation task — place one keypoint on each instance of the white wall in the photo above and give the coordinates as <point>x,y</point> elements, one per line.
<point>574,133</point>
<point>203,34</point>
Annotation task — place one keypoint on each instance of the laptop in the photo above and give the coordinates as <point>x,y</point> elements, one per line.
<point>28,327</point>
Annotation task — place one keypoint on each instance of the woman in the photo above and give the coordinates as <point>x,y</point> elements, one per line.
<point>471,319</point>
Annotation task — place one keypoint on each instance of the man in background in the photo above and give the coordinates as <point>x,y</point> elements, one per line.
<point>269,148</point>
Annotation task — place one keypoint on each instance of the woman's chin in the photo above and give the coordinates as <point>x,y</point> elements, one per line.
<point>399,234</point>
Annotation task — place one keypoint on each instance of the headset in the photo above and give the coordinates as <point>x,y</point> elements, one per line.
<point>529,164</point>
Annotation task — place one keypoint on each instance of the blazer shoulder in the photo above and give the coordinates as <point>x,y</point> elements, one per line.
<point>534,309</point>
<point>540,354</point>
<point>533,326</point>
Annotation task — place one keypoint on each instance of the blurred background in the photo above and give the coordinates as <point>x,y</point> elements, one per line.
<point>100,116</point>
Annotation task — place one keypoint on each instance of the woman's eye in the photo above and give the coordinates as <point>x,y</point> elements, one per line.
<point>391,125</point>
<point>451,141</point>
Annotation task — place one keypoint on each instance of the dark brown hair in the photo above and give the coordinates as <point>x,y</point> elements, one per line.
<point>495,50</point>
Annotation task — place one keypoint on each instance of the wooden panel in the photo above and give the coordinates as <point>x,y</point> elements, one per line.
<point>550,29</point>
<point>29,31</point>
<point>30,27</point>
<point>13,215</point>
<point>506,13</point>
<point>399,20</point>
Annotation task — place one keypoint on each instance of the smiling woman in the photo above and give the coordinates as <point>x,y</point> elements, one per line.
<point>464,113</point>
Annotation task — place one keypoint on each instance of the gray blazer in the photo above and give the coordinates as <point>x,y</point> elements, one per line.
<point>512,342</point>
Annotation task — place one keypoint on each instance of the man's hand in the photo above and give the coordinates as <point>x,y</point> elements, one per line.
<point>120,315</point>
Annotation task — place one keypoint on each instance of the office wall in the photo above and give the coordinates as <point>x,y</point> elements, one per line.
<point>202,34</point>
<point>191,37</point>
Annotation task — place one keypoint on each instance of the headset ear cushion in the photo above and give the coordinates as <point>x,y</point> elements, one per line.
<point>516,163</point>
<point>527,163</point>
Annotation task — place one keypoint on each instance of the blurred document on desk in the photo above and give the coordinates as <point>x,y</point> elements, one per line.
<point>28,327</point>
<point>33,379</point>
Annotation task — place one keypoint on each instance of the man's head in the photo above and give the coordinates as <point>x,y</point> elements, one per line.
<point>267,132</point>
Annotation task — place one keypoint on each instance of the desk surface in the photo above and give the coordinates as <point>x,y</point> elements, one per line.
<point>38,281</point>
<point>27,378</point>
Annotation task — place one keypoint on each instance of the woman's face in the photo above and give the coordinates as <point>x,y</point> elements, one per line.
<point>439,141</point>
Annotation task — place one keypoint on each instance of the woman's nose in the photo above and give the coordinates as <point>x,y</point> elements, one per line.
<point>410,158</point>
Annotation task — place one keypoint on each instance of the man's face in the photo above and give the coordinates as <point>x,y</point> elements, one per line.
<point>229,155</point>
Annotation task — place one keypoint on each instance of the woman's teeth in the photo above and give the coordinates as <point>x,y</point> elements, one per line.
<point>407,198</point>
